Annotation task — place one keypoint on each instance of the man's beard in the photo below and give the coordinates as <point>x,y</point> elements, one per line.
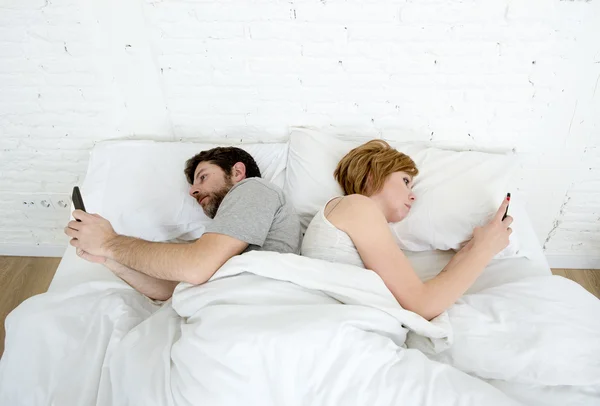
<point>215,199</point>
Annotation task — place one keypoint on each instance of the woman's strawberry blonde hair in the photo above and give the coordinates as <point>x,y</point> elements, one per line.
<point>365,169</point>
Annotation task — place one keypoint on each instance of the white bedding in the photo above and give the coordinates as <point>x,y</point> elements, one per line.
<point>272,329</point>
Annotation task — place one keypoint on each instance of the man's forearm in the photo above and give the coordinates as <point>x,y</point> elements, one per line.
<point>194,263</point>
<point>166,261</point>
<point>154,288</point>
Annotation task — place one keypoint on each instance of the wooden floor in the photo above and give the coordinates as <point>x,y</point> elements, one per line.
<point>23,277</point>
<point>588,278</point>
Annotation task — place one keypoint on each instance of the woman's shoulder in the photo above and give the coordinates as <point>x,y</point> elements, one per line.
<point>351,210</point>
<point>356,201</point>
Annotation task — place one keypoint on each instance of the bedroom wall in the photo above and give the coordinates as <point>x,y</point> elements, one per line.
<point>505,74</point>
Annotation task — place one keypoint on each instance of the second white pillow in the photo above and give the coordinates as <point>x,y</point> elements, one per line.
<point>456,191</point>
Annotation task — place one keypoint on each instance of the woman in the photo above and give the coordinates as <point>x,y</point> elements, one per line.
<point>377,182</point>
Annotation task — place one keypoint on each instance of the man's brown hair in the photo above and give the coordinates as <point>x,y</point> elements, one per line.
<point>365,169</point>
<point>224,157</point>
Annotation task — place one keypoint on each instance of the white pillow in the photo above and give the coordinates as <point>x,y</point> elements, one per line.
<point>456,190</point>
<point>140,187</point>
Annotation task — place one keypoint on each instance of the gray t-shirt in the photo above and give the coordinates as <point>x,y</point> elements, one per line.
<point>257,212</point>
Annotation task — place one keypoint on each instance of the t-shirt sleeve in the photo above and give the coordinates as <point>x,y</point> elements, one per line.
<point>247,213</point>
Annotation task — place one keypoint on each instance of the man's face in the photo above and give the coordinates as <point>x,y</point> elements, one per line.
<point>210,186</point>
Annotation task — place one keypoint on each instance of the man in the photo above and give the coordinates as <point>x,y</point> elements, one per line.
<point>249,213</point>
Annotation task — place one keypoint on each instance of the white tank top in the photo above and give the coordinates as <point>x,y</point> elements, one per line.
<point>323,240</point>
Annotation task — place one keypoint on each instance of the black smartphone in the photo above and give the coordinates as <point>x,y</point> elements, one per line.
<point>77,199</point>
<point>506,212</point>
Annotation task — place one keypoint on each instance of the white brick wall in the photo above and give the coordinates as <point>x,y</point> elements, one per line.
<point>474,73</point>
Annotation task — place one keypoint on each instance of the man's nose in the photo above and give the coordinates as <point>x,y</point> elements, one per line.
<point>194,191</point>
<point>412,196</point>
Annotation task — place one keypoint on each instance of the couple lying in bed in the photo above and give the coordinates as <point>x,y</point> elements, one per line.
<point>253,214</point>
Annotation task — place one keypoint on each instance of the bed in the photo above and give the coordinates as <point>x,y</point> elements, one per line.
<point>269,329</point>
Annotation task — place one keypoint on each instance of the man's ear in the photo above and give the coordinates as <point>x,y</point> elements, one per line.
<point>238,172</point>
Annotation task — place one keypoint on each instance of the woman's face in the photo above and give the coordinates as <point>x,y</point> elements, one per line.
<point>396,197</point>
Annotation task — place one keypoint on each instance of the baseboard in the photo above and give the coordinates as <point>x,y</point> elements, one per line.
<point>32,250</point>
<point>573,261</point>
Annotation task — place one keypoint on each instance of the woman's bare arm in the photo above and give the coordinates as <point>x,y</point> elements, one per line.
<point>361,219</point>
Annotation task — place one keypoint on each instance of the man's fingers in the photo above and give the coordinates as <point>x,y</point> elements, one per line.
<point>81,215</point>
<point>71,232</point>
<point>74,225</point>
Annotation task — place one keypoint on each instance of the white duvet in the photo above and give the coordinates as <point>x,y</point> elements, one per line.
<point>273,329</point>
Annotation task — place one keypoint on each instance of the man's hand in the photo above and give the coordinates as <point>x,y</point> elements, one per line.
<point>91,234</point>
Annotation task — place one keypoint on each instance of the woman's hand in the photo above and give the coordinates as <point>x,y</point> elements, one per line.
<point>494,236</point>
